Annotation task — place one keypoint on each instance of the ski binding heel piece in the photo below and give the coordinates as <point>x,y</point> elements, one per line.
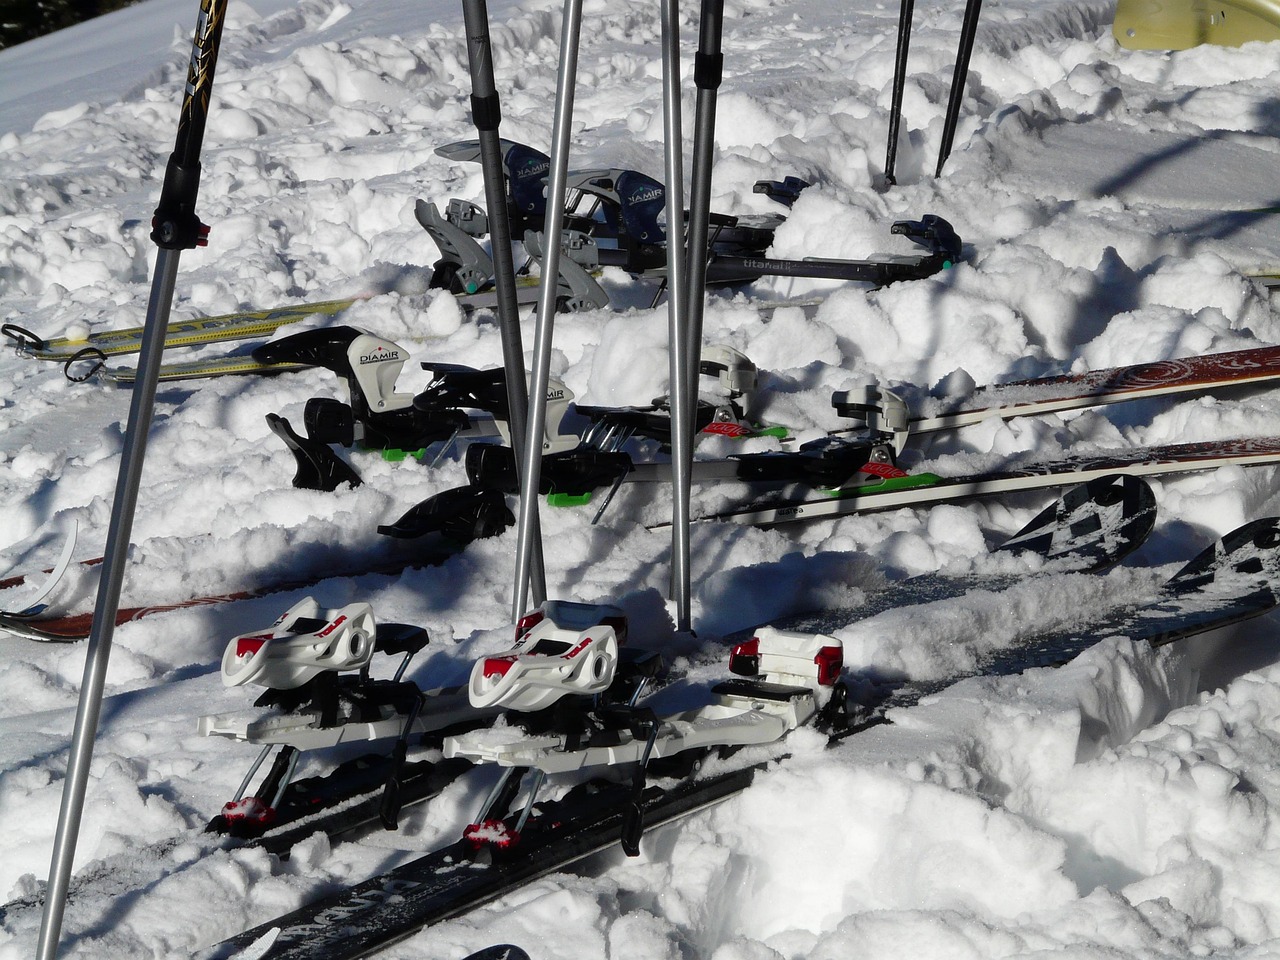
<point>880,411</point>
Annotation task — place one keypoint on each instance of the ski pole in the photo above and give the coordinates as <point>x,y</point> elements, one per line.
<point>968,29</point>
<point>708,70</point>
<point>905,14</point>
<point>486,113</point>
<point>175,227</point>
<point>558,175</point>
<point>677,316</point>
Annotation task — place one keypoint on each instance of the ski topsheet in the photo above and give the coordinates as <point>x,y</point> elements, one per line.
<point>242,325</point>
<point>929,489</point>
<point>1096,387</point>
<point>1230,581</point>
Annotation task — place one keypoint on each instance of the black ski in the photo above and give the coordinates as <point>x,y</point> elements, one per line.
<point>345,802</point>
<point>1228,582</point>
<point>383,910</point>
<point>501,951</point>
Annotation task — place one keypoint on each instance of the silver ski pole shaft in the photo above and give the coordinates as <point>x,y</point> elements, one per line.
<point>677,316</point>
<point>176,228</point>
<point>531,467</point>
<point>486,112</point>
<point>707,72</point>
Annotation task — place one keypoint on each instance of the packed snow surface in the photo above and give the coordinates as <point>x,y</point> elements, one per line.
<point>1111,202</point>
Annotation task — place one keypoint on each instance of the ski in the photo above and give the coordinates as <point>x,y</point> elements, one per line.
<point>449,882</point>
<point>266,360</point>
<point>321,692</point>
<point>345,802</point>
<point>1093,526</point>
<point>1230,581</point>
<point>242,325</point>
<point>927,489</point>
<point>1090,528</point>
<point>882,429</point>
<point>500,951</point>
<point>74,627</point>
<point>1020,398</point>
<point>237,365</point>
<point>33,604</point>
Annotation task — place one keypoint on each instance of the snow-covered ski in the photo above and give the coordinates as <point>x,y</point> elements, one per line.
<point>48,627</point>
<point>1091,527</point>
<point>1230,581</point>
<point>241,325</point>
<point>346,801</point>
<point>1094,525</point>
<point>927,489</point>
<point>379,912</point>
<point>33,604</point>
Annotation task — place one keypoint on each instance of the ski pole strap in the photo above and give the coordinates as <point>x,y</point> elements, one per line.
<point>96,360</point>
<point>22,338</point>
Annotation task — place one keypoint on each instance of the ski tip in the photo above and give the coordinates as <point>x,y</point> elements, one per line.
<point>34,604</point>
<point>258,949</point>
<point>501,951</point>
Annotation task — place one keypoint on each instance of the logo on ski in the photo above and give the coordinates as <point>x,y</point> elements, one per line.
<point>885,471</point>
<point>381,355</point>
<point>653,193</point>
<point>534,169</point>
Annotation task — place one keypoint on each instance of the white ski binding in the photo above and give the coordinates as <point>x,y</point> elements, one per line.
<point>314,664</point>
<point>783,680</point>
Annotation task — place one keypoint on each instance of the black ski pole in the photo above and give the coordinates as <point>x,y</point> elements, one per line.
<point>175,227</point>
<point>968,29</point>
<point>905,13</point>
<point>486,113</point>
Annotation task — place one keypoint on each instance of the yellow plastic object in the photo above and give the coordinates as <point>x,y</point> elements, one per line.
<point>1179,24</point>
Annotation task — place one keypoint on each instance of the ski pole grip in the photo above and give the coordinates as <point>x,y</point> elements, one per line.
<point>175,225</point>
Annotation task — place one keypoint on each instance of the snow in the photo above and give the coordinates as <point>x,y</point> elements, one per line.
<point>1110,201</point>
